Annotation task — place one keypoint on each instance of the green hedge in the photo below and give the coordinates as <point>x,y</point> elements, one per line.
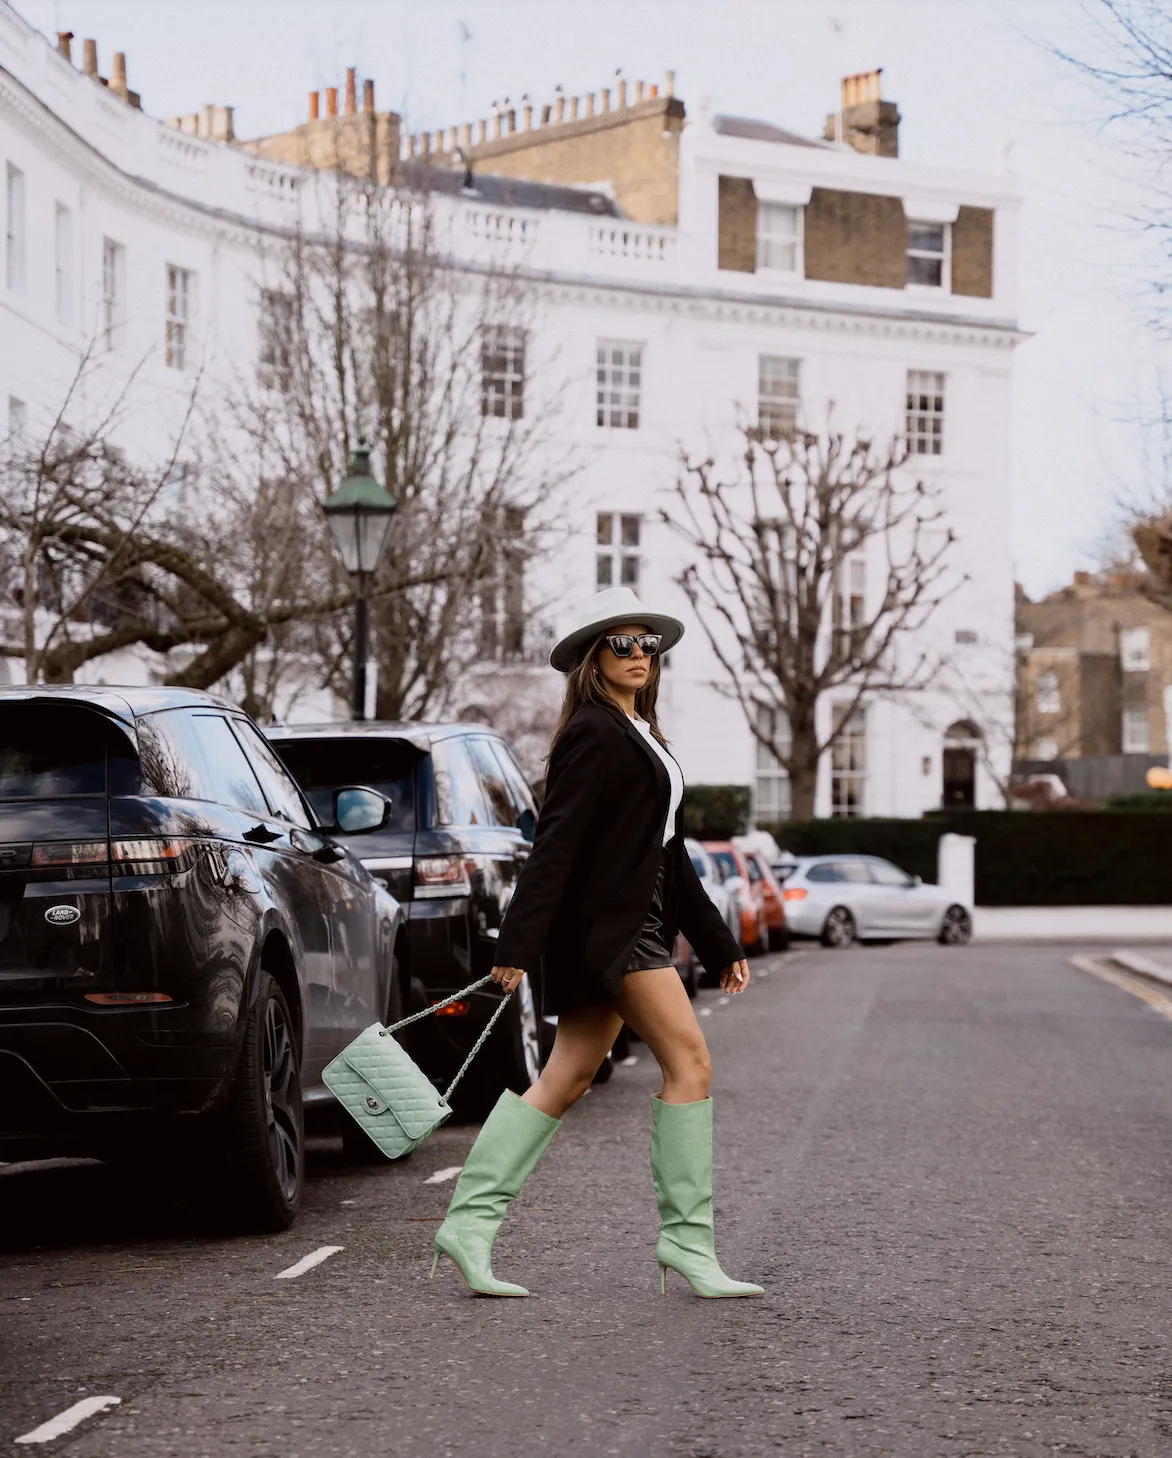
<point>1023,858</point>
<point>716,812</point>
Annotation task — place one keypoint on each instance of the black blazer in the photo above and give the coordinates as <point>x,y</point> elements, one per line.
<point>585,891</point>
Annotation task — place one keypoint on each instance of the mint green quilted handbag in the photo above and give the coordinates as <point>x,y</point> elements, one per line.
<point>380,1086</point>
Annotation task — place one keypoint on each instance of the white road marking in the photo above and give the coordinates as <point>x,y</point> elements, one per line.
<point>629,1062</point>
<point>705,1012</point>
<point>307,1263</point>
<point>442,1176</point>
<point>66,1421</point>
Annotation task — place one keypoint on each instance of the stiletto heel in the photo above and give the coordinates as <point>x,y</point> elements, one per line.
<point>663,1280</point>
<point>433,1266</point>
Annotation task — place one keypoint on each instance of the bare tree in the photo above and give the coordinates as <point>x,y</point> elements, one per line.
<point>373,330</point>
<point>814,567</point>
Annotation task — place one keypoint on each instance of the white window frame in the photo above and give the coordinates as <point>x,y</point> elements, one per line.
<point>1134,736</point>
<point>15,229</point>
<point>925,409</point>
<point>943,256</point>
<point>17,417</point>
<point>618,537</point>
<point>275,321</point>
<point>1135,649</point>
<point>502,372</point>
<point>848,763</point>
<point>779,395</point>
<point>849,612</point>
<point>179,314</point>
<point>113,292</point>
<point>63,263</point>
<point>619,381</point>
<point>1045,749</point>
<point>772,792</point>
<point>780,238</point>
<point>1047,693</point>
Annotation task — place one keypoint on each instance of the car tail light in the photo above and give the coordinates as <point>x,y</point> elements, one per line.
<point>441,876</point>
<point>453,1010</point>
<point>163,849</point>
<point>70,853</point>
<point>123,999</point>
<point>794,893</point>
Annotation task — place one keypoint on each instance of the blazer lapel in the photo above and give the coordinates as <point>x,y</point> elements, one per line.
<point>662,779</point>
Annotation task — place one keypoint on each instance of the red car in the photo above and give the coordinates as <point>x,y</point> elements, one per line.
<point>767,894</point>
<point>731,862</point>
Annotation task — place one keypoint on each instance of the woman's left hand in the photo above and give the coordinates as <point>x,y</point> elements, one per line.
<point>734,978</point>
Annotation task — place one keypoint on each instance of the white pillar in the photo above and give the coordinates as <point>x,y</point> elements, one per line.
<point>955,862</point>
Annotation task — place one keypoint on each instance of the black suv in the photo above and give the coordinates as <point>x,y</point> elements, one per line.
<point>459,827</point>
<point>182,949</point>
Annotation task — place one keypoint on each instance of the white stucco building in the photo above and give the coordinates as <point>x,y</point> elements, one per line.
<point>703,271</point>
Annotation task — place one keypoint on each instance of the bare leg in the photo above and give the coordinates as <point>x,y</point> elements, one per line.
<point>583,1038</point>
<point>655,1005</point>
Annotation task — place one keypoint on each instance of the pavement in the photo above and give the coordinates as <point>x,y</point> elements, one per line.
<point>950,1168</point>
<point>1075,924</point>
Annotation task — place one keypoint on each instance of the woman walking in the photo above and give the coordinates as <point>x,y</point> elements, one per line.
<point>597,908</point>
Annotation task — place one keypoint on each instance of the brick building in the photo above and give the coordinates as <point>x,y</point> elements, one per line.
<point>1094,682</point>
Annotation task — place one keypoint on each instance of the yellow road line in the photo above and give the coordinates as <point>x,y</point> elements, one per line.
<point>1145,991</point>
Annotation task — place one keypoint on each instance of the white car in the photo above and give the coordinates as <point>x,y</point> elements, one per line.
<point>722,891</point>
<point>843,899</point>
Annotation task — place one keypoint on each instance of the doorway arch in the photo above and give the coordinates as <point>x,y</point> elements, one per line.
<point>962,742</point>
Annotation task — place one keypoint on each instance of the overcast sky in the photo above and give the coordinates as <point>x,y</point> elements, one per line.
<point>976,83</point>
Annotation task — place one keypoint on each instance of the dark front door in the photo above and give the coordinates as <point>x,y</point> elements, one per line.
<point>960,779</point>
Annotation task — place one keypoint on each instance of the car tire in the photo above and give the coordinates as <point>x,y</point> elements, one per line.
<point>838,930</point>
<point>265,1165</point>
<point>779,939</point>
<point>956,930</point>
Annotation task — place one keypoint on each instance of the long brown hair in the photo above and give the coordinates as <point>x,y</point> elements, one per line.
<point>585,685</point>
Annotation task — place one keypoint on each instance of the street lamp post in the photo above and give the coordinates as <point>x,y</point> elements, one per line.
<point>359,514</point>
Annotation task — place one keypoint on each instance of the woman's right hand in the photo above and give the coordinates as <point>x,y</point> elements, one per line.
<point>508,977</point>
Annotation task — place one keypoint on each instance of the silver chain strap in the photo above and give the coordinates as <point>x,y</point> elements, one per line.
<point>435,1007</point>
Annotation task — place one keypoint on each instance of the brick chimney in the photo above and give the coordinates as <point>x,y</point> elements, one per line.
<point>864,121</point>
<point>351,90</point>
<point>89,58</point>
<point>64,37</point>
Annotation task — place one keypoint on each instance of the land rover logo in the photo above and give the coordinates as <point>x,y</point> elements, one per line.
<point>62,915</point>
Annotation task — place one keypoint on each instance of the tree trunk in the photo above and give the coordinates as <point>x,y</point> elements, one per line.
<point>803,771</point>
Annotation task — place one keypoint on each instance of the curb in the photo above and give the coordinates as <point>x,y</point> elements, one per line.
<point>1141,966</point>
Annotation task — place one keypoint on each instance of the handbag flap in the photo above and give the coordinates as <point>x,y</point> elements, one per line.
<point>397,1083</point>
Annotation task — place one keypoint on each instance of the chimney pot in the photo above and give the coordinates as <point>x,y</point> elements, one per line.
<point>439,143</point>
<point>481,132</point>
<point>465,136</point>
<point>511,118</point>
<point>425,144</point>
<point>559,109</point>
<point>669,83</point>
<point>573,108</point>
<point>590,103</point>
<point>368,94</point>
<point>314,104</point>
<point>89,57</point>
<point>351,90</point>
<point>639,88</point>
<point>653,91</point>
<point>527,117</point>
<point>496,125</point>
<point>331,101</point>
<point>63,44</point>
<point>604,94</point>
<point>546,113</point>
<point>621,93</point>
<point>118,74</point>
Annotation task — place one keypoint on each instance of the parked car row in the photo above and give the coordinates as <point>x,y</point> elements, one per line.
<point>196,917</point>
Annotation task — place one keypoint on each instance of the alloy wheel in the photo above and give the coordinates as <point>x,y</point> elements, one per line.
<point>957,927</point>
<point>282,1094</point>
<point>839,930</point>
<point>530,1029</point>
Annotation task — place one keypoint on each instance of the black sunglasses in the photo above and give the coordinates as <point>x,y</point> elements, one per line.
<point>622,643</point>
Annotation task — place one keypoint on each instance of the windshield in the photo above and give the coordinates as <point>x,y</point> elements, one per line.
<point>53,751</point>
<point>727,863</point>
<point>320,766</point>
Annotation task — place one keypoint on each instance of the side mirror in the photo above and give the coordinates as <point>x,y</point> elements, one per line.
<point>358,809</point>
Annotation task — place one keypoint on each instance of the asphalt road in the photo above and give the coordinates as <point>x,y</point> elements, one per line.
<point>951,1169</point>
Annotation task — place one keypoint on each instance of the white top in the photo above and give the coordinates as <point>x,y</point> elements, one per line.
<point>674,774</point>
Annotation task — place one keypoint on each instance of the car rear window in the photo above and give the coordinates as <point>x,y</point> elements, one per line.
<point>320,766</point>
<point>726,861</point>
<point>53,751</point>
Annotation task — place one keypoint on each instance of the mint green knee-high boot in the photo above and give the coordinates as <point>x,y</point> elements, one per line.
<point>511,1141</point>
<point>681,1163</point>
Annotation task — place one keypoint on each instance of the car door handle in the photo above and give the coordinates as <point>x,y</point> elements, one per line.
<point>327,854</point>
<point>261,835</point>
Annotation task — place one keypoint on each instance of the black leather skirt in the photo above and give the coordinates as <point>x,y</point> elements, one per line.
<point>650,950</point>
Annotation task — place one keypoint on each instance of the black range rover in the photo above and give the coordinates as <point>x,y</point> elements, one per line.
<point>182,947</point>
<point>459,828</point>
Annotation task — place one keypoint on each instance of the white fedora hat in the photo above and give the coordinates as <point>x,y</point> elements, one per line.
<point>610,609</point>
